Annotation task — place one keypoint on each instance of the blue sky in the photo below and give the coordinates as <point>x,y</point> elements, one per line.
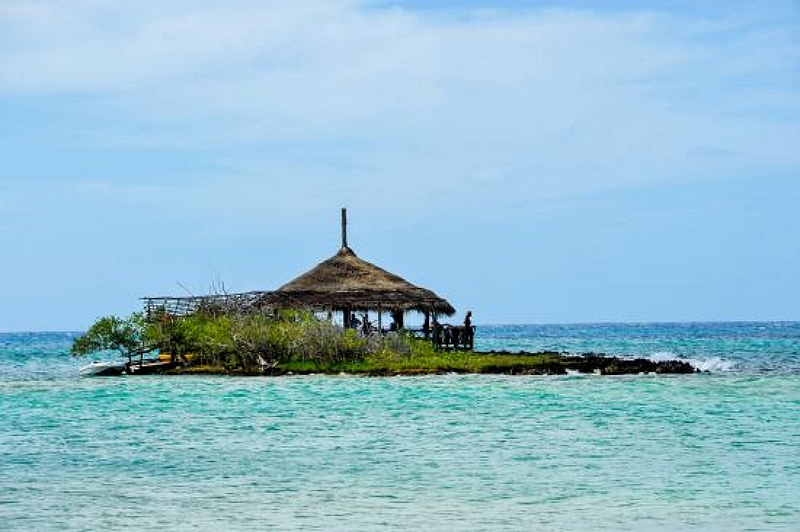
<point>548,161</point>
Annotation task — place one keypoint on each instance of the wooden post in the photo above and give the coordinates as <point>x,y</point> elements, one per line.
<point>344,227</point>
<point>346,318</point>
<point>380,324</point>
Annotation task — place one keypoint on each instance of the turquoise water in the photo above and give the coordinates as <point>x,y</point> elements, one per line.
<point>713,451</point>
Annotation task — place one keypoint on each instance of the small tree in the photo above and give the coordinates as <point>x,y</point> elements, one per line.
<point>111,333</point>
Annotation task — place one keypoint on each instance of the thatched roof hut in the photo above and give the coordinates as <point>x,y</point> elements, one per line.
<point>343,283</point>
<point>348,283</point>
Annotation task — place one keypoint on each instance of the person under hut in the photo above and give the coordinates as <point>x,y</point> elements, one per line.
<point>366,325</point>
<point>397,320</point>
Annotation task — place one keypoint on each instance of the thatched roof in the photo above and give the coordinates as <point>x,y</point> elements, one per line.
<point>345,281</point>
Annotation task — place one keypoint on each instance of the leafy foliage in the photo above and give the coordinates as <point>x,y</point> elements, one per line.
<point>249,342</point>
<point>111,333</point>
<point>298,342</point>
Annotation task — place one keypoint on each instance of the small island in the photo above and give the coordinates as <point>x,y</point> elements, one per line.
<point>299,343</point>
<point>292,330</point>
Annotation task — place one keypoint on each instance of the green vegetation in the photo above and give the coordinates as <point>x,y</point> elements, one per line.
<point>110,333</point>
<point>244,343</point>
<point>423,360</point>
<point>294,342</point>
<point>250,342</point>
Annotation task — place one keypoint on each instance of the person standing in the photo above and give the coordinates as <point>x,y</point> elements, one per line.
<point>467,339</point>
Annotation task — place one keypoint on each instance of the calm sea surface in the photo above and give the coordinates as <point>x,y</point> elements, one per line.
<point>713,451</point>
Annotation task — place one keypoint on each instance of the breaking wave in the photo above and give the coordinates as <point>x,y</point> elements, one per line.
<point>711,364</point>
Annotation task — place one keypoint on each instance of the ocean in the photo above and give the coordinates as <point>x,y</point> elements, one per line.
<point>718,450</point>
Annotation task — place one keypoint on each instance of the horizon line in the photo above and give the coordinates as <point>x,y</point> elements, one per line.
<point>577,323</point>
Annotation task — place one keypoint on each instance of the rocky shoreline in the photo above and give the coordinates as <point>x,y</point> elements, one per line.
<point>589,363</point>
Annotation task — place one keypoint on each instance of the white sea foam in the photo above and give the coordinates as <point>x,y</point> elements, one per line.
<point>712,364</point>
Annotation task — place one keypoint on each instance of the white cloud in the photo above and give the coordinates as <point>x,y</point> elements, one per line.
<point>297,98</point>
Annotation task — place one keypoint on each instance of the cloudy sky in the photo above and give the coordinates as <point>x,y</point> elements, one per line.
<point>539,161</point>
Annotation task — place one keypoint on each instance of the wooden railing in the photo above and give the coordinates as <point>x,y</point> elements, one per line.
<point>444,337</point>
<point>453,337</point>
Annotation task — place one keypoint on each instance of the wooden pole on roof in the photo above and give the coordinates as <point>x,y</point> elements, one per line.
<point>344,227</point>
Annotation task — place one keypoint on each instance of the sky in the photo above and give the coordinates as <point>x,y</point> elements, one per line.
<point>552,161</point>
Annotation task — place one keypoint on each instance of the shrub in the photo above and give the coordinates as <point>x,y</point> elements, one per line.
<point>247,341</point>
<point>123,335</point>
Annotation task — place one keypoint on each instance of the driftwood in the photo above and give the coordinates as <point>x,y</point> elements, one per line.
<point>242,303</point>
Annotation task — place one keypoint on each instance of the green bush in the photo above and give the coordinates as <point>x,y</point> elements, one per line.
<point>294,336</point>
<point>111,333</point>
<point>248,341</point>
